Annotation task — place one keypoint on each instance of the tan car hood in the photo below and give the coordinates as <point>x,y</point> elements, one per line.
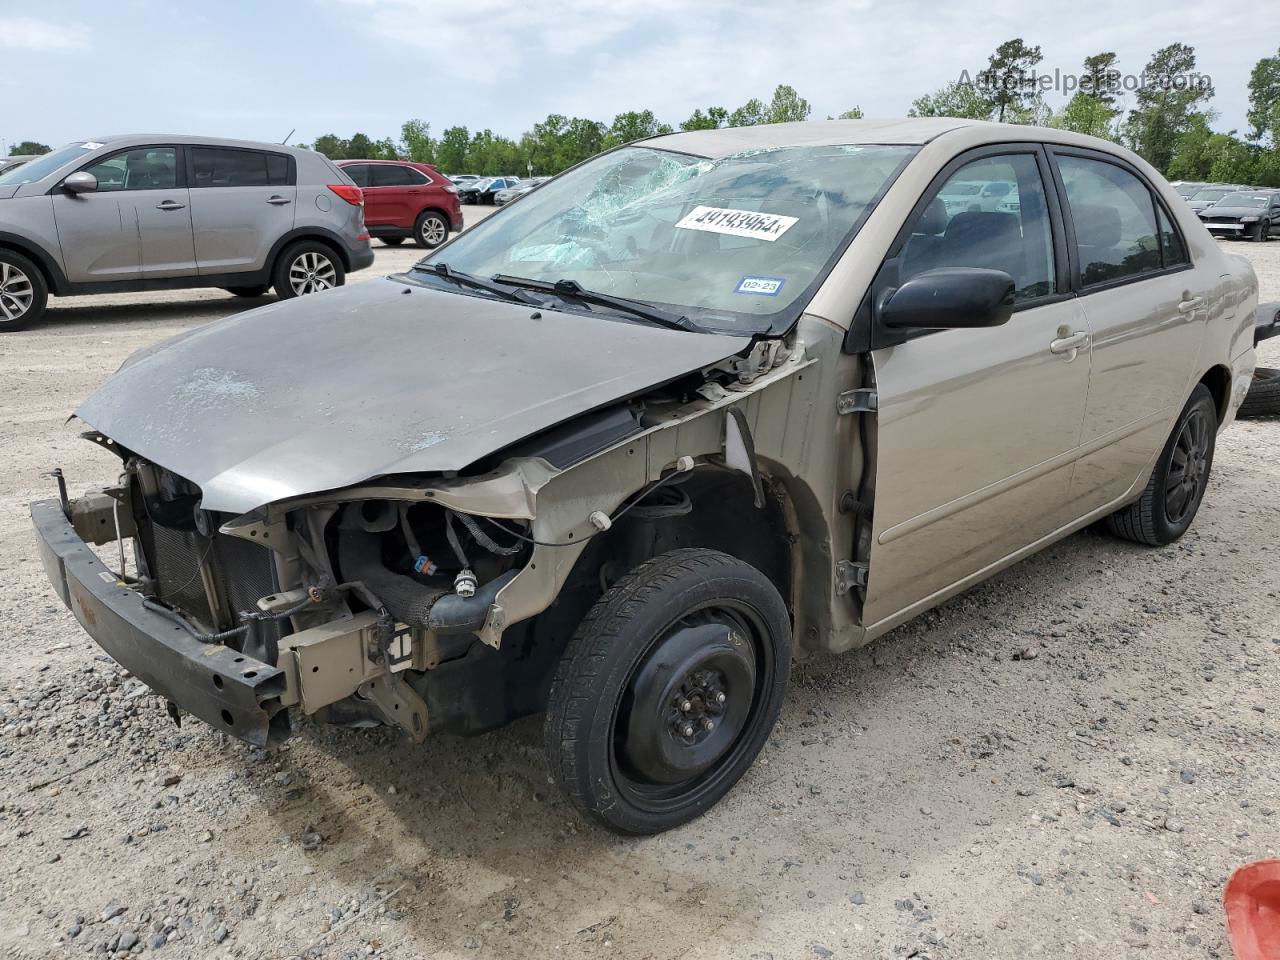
<point>376,378</point>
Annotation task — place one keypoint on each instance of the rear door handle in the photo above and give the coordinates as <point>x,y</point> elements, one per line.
<point>1069,344</point>
<point>170,205</point>
<point>1185,305</point>
<point>278,201</point>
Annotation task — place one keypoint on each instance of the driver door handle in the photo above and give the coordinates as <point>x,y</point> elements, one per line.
<point>1191,304</point>
<point>170,205</point>
<point>278,201</point>
<point>1069,343</point>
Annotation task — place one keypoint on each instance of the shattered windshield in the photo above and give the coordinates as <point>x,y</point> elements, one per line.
<point>735,244</point>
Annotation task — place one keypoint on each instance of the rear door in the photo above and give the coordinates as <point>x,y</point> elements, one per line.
<point>242,202</point>
<point>136,225</point>
<point>977,430</point>
<point>398,192</point>
<point>1146,305</point>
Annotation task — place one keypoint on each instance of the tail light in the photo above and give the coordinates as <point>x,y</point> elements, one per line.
<point>450,188</point>
<point>352,195</point>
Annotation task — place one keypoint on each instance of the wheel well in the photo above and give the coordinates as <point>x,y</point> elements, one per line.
<point>447,220</point>
<point>1218,380</point>
<point>315,238</point>
<point>51,282</point>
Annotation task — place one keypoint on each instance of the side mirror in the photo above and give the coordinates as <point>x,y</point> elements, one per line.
<point>950,297</point>
<point>80,183</point>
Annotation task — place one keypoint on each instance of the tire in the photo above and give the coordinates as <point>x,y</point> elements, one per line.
<point>257,291</point>
<point>1259,233</point>
<point>1172,496</point>
<point>23,292</point>
<point>668,691</point>
<point>1263,398</point>
<point>392,241</point>
<point>307,266</point>
<point>430,229</point>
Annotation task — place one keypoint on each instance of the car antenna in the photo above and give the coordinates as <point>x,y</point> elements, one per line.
<point>288,135</point>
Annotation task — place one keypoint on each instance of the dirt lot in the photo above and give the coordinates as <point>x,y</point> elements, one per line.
<point>1067,761</point>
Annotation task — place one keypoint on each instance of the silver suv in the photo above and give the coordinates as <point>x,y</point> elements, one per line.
<point>160,212</point>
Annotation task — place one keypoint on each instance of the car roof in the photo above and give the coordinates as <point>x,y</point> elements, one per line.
<point>909,131</point>
<point>142,139</point>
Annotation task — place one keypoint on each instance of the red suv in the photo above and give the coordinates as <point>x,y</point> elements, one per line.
<point>403,199</point>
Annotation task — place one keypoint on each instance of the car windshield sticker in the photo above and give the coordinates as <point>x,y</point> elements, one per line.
<point>90,145</point>
<point>760,286</point>
<point>738,223</point>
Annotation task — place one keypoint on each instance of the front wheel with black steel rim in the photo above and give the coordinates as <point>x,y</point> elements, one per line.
<point>668,690</point>
<point>430,230</point>
<point>307,267</point>
<point>1173,494</point>
<point>23,292</point>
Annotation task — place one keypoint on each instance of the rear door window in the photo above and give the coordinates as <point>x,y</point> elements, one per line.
<point>1114,216</point>
<point>395,175</point>
<point>219,167</point>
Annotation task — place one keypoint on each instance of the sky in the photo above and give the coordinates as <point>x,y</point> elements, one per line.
<point>257,69</point>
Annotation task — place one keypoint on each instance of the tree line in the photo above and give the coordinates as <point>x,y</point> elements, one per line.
<point>1168,122</point>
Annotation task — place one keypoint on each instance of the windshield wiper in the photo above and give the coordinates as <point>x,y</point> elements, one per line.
<point>479,283</point>
<point>572,290</point>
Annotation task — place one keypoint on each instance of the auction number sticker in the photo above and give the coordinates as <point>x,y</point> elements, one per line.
<point>760,286</point>
<point>738,223</point>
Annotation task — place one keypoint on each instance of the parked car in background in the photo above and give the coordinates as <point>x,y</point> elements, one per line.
<point>406,200</point>
<point>8,163</point>
<point>1187,188</point>
<point>164,212</point>
<point>508,194</point>
<point>461,178</point>
<point>616,455</point>
<point>1210,194</point>
<point>1254,215</point>
<point>975,196</point>
<point>483,191</point>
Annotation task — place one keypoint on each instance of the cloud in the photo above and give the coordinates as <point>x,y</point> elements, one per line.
<point>28,33</point>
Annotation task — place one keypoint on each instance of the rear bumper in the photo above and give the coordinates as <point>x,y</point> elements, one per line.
<point>221,686</point>
<point>361,257</point>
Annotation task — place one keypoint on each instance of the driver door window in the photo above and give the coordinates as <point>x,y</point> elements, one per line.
<point>990,213</point>
<point>147,168</point>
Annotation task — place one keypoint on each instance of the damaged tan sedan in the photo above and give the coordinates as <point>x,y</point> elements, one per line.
<point>698,406</point>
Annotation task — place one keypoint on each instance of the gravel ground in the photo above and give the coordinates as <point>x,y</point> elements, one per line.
<point>1067,761</point>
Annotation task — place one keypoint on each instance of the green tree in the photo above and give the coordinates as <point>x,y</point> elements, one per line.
<point>786,106</point>
<point>1264,100</point>
<point>1007,79</point>
<point>854,114</point>
<point>634,125</point>
<point>749,114</point>
<point>958,99</point>
<point>28,148</point>
<point>1101,80</point>
<point>451,151</point>
<point>1165,103</point>
<point>1085,113</point>
<point>332,146</point>
<point>714,118</point>
<point>418,145</point>
<point>360,147</point>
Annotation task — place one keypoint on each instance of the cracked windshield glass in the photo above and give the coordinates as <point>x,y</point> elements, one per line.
<point>734,244</point>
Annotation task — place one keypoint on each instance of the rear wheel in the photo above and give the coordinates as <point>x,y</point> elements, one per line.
<point>430,230</point>
<point>307,267</point>
<point>668,690</point>
<point>1263,398</point>
<point>254,291</point>
<point>1173,494</point>
<point>23,292</point>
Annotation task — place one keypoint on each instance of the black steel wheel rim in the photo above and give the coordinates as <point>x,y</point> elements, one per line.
<point>1188,468</point>
<point>712,664</point>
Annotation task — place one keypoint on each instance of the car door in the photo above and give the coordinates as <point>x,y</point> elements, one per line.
<point>135,225</point>
<point>1146,305</point>
<point>977,429</point>
<point>242,202</point>
<point>397,190</point>
<point>360,174</point>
